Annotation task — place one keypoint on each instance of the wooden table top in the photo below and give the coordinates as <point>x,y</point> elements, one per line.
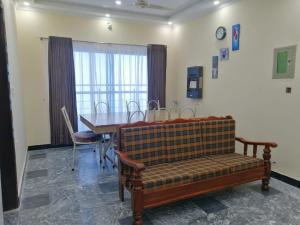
<point>109,122</point>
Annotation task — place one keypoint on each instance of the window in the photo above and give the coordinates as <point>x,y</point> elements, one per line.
<point>110,73</point>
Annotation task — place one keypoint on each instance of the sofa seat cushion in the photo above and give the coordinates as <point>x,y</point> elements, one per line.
<point>237,162</point>
<point>182,172</point>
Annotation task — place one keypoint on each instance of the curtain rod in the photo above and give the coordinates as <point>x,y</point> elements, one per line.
<point>93,42</point>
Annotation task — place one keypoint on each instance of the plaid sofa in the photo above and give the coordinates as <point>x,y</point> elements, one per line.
<point>183,151</point>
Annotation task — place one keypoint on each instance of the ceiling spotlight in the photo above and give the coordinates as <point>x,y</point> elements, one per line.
<point>26,3</point>
<point>107,15</point>
<point>217,2</point>
<point>118,2</point>
<point>170,23</point>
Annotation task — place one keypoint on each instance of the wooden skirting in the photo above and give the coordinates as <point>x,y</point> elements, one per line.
<point>286,179</point>
<point>46,146</point>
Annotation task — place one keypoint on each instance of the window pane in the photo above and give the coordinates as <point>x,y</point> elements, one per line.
<point>110,77</point>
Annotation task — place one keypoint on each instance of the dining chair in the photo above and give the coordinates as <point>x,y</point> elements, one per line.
<point>80,138</point>
<point>128,104</point>
<point>153,107</point>
<point>188,110</point>
<point>138,112</point>
<point>155,104</point>
<point>107,111</point>
<point>98,104</point>
<point>108,139</point>
<point>173,113</point>
<point>162,114</point>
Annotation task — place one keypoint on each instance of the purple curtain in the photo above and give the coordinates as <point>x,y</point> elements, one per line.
<point>61,89</point>
<point>157,66</point>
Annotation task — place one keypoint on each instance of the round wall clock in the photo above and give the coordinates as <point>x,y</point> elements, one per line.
<point>221,33</point>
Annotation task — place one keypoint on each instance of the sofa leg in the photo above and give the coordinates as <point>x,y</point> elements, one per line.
<point>137,199</point>
<point>265,184</point>
<point>267,163</point>
<point>137,207</point>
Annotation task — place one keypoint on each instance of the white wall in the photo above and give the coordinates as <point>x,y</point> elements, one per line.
<point>33,25</point>
<point>16,89</point>
<point>245,88</point>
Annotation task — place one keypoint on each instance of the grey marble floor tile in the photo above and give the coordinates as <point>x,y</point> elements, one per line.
<point>129,221</point>
<point>35,186</point>
<point>35,201</point>
<point>89,195</point>
<point>36,216</point>
<point>61,176</point>
<point>92,196</point>
<point>209,204</point>
<point>11,218</point>
<point>285,188</point>
<point>36,173</point>
<point>97,216</point>
<point>38,164</point>
<point>270,192</point>
<point>109,187</point>
<point>38,156</point>
<point>180,213</point>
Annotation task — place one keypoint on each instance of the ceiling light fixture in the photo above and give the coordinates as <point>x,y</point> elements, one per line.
<point>118,2</point>
<point>26,3</point>
<point>217,2</point>
<point>107,15</point>
<point>170,23</point>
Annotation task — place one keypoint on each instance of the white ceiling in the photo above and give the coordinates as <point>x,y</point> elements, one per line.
<point>175,9</point>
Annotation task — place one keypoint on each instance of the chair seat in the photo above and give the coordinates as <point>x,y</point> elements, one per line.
<point>87,136</point>
<point>188,171</point>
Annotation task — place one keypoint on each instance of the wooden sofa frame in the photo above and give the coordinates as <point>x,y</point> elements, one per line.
<point>141,201</point>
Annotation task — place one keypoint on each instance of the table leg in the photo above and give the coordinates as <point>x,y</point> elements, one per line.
<point>106,148</point>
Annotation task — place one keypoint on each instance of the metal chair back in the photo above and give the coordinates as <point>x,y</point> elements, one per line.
<point>97,105</point>
<point>139,112</point>
<point>68,122</point>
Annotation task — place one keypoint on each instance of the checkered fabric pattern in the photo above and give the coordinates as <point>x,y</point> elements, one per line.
<point>185,152</point>
<point>171,142</point>
<point>184,172</point>
<point>237,162</point>
<point>218,136</point>
<point>144,144</point>
<point>183,141</point>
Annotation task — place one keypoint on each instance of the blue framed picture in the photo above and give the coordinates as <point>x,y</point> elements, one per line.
<point>236,37</point>
<point>224,54</point>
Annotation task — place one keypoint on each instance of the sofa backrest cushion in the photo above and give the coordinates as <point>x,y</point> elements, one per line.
<point>144,144</point>
<point>183,141</point>
<point>218,136</point>
<point>170,141</point>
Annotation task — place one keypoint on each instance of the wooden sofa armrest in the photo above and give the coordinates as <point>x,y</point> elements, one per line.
<point>267,149</point>
<point>138,167</point>
<point>267,144</point>
<point>266,156</point>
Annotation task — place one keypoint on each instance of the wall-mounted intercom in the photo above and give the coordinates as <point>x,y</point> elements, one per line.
<point>195,82</point>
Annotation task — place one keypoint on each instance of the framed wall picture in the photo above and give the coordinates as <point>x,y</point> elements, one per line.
<point>215,67</point>
<point>224,54</point>
<point>236,29</point>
